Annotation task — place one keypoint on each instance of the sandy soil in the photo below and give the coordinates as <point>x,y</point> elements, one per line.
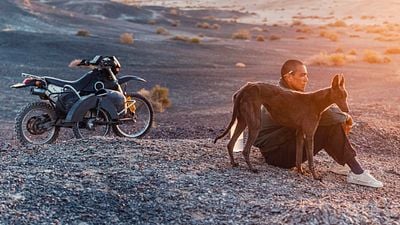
<point>39,38</point>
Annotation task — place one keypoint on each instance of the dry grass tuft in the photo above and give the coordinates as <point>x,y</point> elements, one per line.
<point>392,51</point>
<point>274,37</point>
<point>126,38</point>
<point>203,25</point>
<point>215,26</point>
<point>334,59</point>
<point>242,35</point>
<point>158,96</point>
<point>330,35</point>
<point>338,23</point>
<point>195,40</point>
<point>175,23</point>
<point>83,33</point>
<point>256,29</point>
<point>354,35</point>
<point>174,12</point>
<point>306,30</point>
<point>301,38</point>
<point>162,31</point>
<point>260,38</point>
<point>374,57</point>
<point>352,52</point>
<point>152,22</point>
<point>297,23</point>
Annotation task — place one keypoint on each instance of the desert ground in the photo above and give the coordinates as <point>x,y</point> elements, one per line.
<point>176,175</point>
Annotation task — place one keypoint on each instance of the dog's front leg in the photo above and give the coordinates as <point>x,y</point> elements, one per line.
<point>310,155</point>
<point>299,150</point>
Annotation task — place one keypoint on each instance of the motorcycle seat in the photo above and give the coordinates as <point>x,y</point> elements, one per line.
<point>78,84</point>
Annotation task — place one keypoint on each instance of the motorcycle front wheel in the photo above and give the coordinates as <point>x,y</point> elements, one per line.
<point>137,119</point>
<point>35,124</point>
<point>92,124</point>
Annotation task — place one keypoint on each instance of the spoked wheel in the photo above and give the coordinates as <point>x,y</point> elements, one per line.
<point>92,124</point>
<point>137,120</point>
<point>35,124</point>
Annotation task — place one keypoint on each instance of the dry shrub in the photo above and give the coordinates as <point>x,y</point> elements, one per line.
<point>256,29</point>
<point>260,38</point>
<point>216,26</point>
<point>330,35</point>
<point>374,57</point>
<point>352,52</point>
<point>307,30</point>
<point>195,40</point>
<point>338,23</point>
<point>387,38</point>
<point>274,37</point>
<point>339,50</point>
<point>367,17</point>
<point>181,38</point>
<point>126,38</point>
<point>203,25</point>
<point>354,35</point>
<point>175,23</point>
<point>392,51</point>
<point>174,12</point>
<point>158,97</point>
<point>152,22</point>
<point>83,33</point>
<point>242,35</point>
<point>301,38</point>
<point>375,29</point>
<point>162,31</point>
<point>297,23</point>
<point>334,59</point>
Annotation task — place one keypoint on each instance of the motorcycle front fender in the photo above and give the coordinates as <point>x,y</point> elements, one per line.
<point>84,104</point>
<point>127,78</point>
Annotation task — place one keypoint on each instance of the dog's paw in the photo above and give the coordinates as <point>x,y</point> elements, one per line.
<point>300,170</point>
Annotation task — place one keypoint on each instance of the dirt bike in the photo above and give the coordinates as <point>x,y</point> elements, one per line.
<point>92,105</point>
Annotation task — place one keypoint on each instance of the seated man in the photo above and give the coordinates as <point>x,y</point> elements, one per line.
<point>278,144</point>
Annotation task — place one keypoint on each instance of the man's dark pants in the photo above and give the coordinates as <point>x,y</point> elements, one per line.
<point>331,138</point>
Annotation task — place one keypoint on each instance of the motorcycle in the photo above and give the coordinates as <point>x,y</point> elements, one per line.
<point>92,105</point>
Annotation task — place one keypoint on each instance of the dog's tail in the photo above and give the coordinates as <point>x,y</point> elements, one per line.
<point>234,115</point>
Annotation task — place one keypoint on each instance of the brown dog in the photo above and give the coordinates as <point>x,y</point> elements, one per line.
<point>289,108</point>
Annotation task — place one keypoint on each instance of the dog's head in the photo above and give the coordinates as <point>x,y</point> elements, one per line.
<point>339,93</point>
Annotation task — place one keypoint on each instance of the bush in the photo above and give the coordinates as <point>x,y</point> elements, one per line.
<point>334,59</point>
<point>175,23</point>
<point>83,33</point>
<point>274,37</point>
<point>242,35</point>
<point>158,96</point>
<point>203,25</point>
<point>195,40</point>
<point>330,35</point>
<point>260,38</point>
<point>353,52</point>
<point>216,26</point>
<point>374,57</point>
<point>162,31</point>
<point>338,23</point>
<point>151,22</point>
<point>392,51</point>
<point>126,38</point>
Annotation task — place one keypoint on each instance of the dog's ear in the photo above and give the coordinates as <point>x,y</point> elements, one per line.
<point>335,81</point>
<point>341,83</point>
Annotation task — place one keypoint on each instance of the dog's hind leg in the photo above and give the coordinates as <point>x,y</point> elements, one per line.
<point>310,153</point>
<point>253,123</point>
<point>240,126</point>
<point>299,150</point>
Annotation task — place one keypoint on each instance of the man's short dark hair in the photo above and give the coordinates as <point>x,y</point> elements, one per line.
<point>290,65</point>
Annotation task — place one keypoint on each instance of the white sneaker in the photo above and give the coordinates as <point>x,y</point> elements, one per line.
<point>339,169</point>
<point>365,179</point>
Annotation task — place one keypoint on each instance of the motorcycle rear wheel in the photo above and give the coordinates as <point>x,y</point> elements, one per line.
<point>92,125</point>
<point>33,124</point>
<point>138,123</point>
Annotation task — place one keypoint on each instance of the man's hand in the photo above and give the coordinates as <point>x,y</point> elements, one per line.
<point>348,124</point>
